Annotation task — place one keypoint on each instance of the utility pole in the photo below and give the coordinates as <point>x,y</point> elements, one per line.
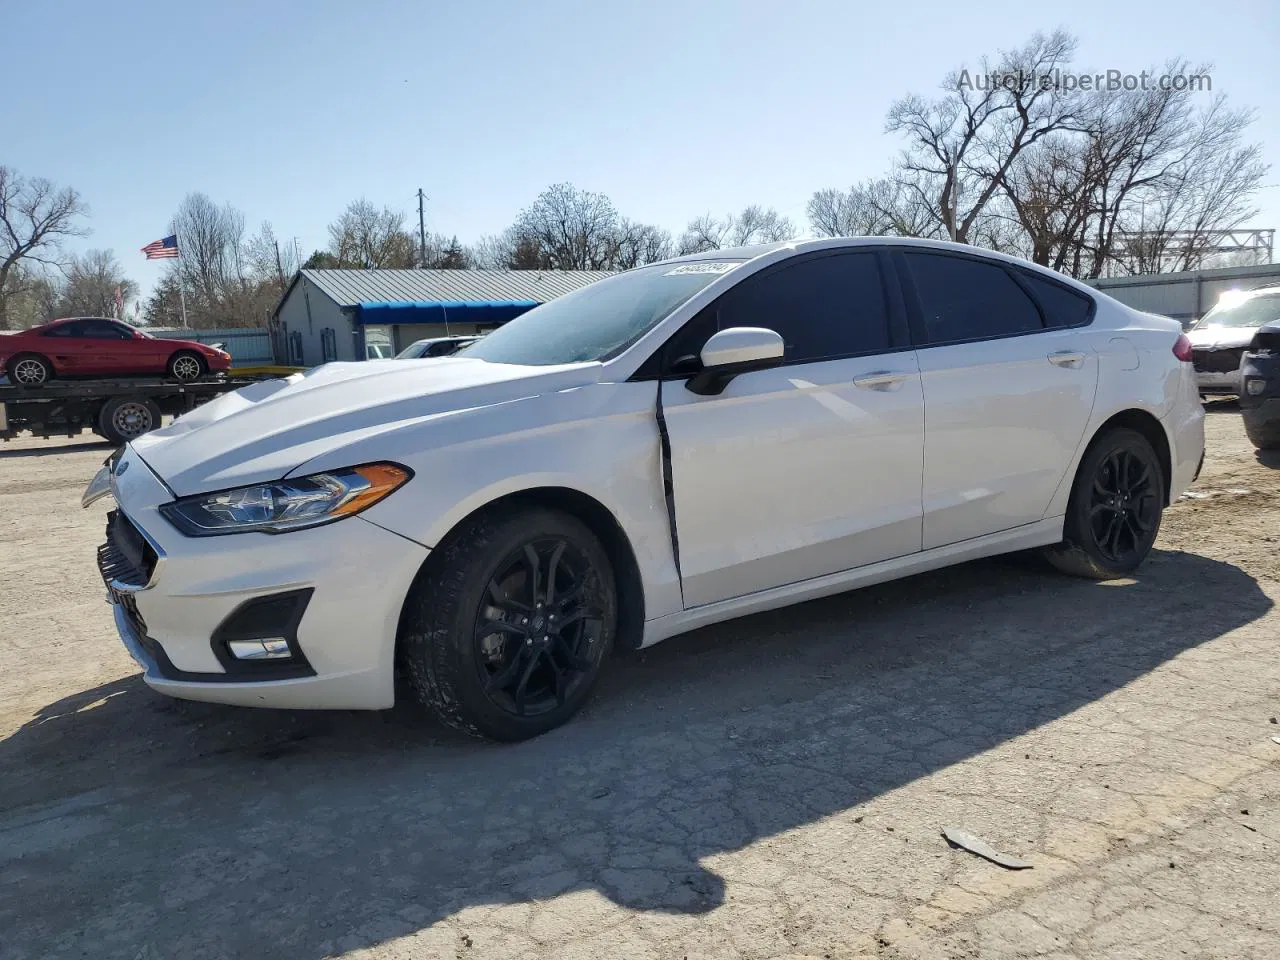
<point>279,266</point>
<point>422,232</point>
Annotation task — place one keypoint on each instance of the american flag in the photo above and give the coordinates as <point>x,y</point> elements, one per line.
<point>162,249</point>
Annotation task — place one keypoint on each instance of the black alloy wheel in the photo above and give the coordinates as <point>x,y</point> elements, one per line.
<point>509,623</point>
<point>1124,506</point>
<point>538,628</point>
<point>1114,511</point>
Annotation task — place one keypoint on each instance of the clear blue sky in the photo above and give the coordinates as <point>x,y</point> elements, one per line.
<point>291,109</point>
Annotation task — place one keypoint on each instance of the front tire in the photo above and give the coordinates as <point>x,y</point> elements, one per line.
<point>186,366</point>
<point>506,631</point>
<point>1114,512</point>
<point>29,370</point>
<point>1264,435</point>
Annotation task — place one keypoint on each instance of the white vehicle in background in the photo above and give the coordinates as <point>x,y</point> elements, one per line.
<point>1220,338</point>
<point>434,347</point>
<point>675,445</point>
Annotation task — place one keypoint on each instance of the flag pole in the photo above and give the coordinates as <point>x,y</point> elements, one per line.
<point>182,293</point>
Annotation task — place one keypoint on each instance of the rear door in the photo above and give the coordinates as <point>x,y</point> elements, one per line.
<point>1008,390</point>
<point>809,468</point>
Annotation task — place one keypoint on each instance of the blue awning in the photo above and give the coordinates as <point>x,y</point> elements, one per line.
<point>441,311</point>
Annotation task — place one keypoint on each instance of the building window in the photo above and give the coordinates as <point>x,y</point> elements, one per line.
<point>377,343</point>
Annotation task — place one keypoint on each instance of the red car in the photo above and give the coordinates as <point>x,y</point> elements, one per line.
<point>100,346</point>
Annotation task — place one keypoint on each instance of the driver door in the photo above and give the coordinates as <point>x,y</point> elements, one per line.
<point>809,468</point>
<point>109,347</point>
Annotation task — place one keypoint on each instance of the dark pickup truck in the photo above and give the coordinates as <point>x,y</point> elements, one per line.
<point>1260,390</point>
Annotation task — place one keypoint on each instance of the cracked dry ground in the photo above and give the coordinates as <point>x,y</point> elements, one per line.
<point>773,787</point>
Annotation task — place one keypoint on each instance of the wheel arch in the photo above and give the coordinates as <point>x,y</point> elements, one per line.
<point>601,521</point>
<point>190,352</point>
<point>42,357</point>
<point>1145,423</point>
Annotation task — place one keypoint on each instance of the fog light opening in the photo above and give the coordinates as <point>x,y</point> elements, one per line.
<point>272,648</point>
<point>1255,387</point>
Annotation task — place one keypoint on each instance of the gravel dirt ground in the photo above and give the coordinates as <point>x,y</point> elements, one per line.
<point>773,787</point>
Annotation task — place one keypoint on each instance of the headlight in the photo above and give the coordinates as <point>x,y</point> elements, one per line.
<point>285,505</point>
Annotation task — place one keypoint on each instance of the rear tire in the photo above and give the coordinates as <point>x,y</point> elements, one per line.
<point>28,370</point>
<point>122,419</point>
<point>506,631</point>
<point>1113,514</point>
<point>186,366</point>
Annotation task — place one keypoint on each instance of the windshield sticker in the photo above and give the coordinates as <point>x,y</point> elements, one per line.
<point>712,266</point>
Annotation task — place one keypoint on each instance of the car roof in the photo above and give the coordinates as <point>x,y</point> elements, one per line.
<point>839,243</point>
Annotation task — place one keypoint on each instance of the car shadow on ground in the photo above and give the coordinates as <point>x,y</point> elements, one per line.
<point>1221,405</point>
<point>129,822</point>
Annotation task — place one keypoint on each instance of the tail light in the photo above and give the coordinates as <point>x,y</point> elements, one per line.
<point>1182,348</point>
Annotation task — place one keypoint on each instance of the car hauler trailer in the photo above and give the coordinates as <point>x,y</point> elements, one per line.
<point>118,409</point>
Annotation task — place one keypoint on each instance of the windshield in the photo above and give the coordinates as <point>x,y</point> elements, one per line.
<point>598,321</point>
<point>413,351</point>
<point>1253,312</point>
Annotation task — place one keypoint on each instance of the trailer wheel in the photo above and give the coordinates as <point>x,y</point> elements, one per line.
<point>126,418</point>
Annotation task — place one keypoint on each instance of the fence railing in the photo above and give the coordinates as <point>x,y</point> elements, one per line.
<point>248,346</point>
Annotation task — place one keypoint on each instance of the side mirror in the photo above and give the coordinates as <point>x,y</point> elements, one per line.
<point>732,352</point>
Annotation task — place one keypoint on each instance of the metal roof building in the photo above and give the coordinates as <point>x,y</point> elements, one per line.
<point>358,314</point>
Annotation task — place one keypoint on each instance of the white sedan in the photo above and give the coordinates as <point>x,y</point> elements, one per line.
<point>676,445</point>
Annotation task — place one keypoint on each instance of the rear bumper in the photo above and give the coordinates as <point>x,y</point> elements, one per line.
<point>1184,428</point>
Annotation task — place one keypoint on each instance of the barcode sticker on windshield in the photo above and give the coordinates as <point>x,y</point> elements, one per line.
<point>712,266</point>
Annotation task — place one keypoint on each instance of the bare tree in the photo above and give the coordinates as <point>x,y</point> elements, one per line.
<point>228,279</point>
<point>366,238</point>
<point>91,284</point>
<point>960,146</point>
<point>1130,180</point>
<point>268,260</point>
<point>573,229</point>
<point>754,224</point>
<point>35,217</point>
<point>209,239</point>
<point>1140,188</point>
<point>640,243</point>
<point>875,208</point>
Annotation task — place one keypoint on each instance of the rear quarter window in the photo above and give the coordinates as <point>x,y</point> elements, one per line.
<point>1062,306</point>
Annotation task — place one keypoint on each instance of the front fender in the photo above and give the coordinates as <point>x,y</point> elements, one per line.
<point>600,441</point>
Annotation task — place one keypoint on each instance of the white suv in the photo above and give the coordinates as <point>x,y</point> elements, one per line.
<point>675,445</point>
<point>1220,338</point>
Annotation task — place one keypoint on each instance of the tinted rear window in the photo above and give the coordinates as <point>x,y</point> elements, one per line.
<point>964,299</point>
<point>1062,306</point>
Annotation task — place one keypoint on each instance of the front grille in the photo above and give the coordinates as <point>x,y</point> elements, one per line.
<point>130,607</point>
<point>1217,361</point>
<point>126,557</point>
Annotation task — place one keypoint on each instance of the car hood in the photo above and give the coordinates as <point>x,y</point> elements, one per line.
<point>264,431</point>
<point>1220,338</point>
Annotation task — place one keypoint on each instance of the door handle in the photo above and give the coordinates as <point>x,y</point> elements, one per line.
<point>1066,358</point>
<point>880,380</point>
